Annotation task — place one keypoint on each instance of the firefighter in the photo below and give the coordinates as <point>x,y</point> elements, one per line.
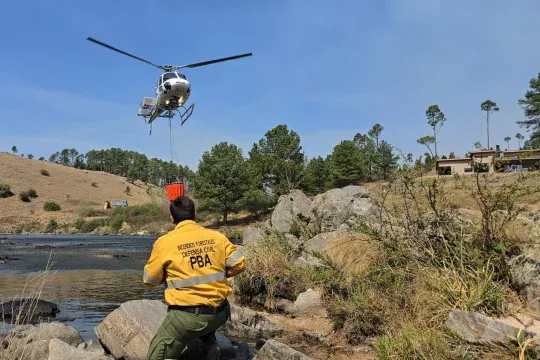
<point>194,263</point>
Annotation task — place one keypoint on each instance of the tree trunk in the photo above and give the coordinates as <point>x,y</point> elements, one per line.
<point>225,213</point>
<point>487,122</point>
<point>435,136</point>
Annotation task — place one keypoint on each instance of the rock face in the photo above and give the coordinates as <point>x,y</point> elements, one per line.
<point>307,304</point>
<point>31,342</point>
<point>248,324</point>
<point>59,350</point>
<point>288,209</point>
<point>252,236</point>
<point>28,310</point>
<point>331,209</point>
<point>274,350</point>
<point>477,328</point>
<point>525,273</point>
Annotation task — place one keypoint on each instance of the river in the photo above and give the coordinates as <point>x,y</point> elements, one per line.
<point>85,279</point>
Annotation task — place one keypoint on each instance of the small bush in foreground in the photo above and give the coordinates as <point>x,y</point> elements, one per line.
<point>51,226</point>
<point>23,195</point>
<point>32,193</point>
<point>5,191</point>
<point>51,206</point>
<point>44,172</point>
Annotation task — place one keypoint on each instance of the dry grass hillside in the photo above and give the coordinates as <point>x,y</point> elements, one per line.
<point>71,188</point>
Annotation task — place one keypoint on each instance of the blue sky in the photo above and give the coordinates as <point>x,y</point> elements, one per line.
<point>328,69</point>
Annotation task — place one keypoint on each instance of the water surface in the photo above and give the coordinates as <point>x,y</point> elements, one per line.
<point>85,279</point>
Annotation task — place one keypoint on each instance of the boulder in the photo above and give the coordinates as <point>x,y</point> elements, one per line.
<point>248,324</point>
<point>252,236</point>
<point>127,331</point>
<point>28,310</point>
<point>525,274</point>
<point>332,208</point>
<point>478,328</point>
<point>308,303</point>
<point>59,350</point>
<point>308,260</point>
<point>274,350</point>
<point>290,208</point>
<point>318,243</point>
<point>31,342</point>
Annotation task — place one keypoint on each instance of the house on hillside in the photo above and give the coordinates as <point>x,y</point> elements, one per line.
<point>491,161</point>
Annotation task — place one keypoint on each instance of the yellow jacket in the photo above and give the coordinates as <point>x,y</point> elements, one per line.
<point>192,261</point>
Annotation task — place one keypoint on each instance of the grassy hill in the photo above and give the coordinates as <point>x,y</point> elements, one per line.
<point>80,193</point>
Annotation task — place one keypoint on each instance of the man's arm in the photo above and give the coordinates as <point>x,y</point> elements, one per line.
<point>235,260</point>
<point>153,270</point>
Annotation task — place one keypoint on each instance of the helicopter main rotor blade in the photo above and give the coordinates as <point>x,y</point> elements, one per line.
<point>215,61</point>
<point>121,52</point>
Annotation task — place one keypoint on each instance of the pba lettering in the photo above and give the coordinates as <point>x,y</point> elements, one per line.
<point>199,261</point>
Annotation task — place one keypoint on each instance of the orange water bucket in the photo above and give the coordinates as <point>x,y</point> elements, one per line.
<point>175,190</point>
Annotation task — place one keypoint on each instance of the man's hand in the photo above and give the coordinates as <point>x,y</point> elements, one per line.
<point>232,272</point>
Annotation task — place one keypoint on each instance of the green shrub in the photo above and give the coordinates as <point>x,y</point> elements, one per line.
<point>117,221</point>
<point>44,172</point>
<point>139,215</point>
<point>51,226</point>
<point>5,191</point>
<point>79,224</point>
<point>91,225</point>
<point>51,206</point>
<point>32,193</point>
<point>23,195</point>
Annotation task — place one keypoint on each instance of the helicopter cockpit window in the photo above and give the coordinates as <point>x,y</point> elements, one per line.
<point>182,76</point>
<point>170,75</point>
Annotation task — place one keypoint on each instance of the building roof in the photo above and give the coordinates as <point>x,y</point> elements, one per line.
<point>454,160</point>
<point>521,151</point>
<point>483,151</point>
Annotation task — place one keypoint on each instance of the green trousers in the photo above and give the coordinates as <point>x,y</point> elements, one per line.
<point>180,327</point>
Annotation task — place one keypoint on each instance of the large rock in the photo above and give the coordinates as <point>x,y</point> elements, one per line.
<point>308,303</point>
<point>290,208</point>
<point>127,331</point>
<point>247,324</point>
<point>318,243</point>
<point>525,274</point>
<point>478,328</point>
<point>331,209</point>
<point>31,342</point>
<point>252,236</point>
<point>59,350</point>
<point>28,310</point>
<point>274,350</point>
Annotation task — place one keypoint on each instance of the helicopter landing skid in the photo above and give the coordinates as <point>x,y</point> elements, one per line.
<point>184,116</point>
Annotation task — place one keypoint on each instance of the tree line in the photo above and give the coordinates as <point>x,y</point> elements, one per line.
<point>130,164</point>
<point>226,181</point>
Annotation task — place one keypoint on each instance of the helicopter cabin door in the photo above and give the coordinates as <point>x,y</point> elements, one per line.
<point>160,85</point>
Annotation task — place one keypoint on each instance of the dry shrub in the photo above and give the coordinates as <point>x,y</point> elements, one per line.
<point>355,253</point>
<point>271,271</point>
<point>31,294</point>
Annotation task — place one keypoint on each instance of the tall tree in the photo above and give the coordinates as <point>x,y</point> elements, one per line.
<point>427,141</point>
<point>477,145</point>
<point>436,120</point>
<point>346,168</point>
<point>222,178</point>
<point>387,162</point>
<point>316,176</point>
<point>375,133</point>
<point>519,137</point>
<point>14,149</point>
<point>30,156</point>
<point>452,155</point>
<point>279,159</point>
<point>489,107</point>
<point>507,139</point>
<point>531,106</point>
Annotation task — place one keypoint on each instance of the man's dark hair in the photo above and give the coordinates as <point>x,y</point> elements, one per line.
<point>182,208</point>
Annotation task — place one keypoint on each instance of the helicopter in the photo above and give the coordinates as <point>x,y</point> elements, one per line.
<point>172,88</point>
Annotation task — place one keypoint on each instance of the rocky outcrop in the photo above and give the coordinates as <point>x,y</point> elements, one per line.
<point>332,208</point>
<point>274,350</point>
<point>481,329</point>
<point>525,274</point>
<point>308,303</point>
<point>248,324</point>
<point>289,209</point>
<point>59,350</point>
<point>31,342</point>
<point>252,236</point>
